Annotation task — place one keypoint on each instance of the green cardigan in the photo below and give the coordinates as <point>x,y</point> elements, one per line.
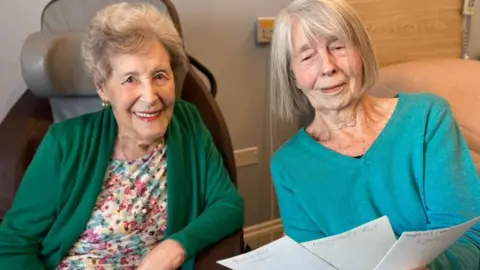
<point>60,187</point>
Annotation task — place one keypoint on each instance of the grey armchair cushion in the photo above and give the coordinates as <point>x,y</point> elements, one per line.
<point>52,66</point>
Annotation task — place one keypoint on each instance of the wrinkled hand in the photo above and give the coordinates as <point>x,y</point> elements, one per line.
<point>168,255</point>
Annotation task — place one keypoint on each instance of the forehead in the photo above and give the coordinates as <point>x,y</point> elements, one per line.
<point>305,35</point>
<point>151,56</point>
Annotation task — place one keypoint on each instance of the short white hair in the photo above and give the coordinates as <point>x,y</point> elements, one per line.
<point>125,28</point>
<point>317,18</point>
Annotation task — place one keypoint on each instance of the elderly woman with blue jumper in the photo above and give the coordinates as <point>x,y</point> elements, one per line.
<point>363,157</point>
<point>137,185</point>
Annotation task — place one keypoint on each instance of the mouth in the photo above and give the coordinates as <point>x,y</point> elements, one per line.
<point>148,116</point>
<point>333,89</point>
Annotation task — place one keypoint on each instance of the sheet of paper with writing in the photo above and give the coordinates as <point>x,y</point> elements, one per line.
<point>417,249</point>
<point>282,254</point>
<point>358,249</point>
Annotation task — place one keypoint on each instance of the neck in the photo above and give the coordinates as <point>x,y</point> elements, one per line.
<point>328,123</point>
<point>131,148</point>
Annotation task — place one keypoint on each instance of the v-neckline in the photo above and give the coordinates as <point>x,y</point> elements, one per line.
<point>370,151</point>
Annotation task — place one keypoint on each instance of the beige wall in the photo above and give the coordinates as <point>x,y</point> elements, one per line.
<point>17,20</point>
<point>221,35</point>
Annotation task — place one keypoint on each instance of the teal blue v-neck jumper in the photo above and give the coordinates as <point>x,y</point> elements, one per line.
<point>418,172</point>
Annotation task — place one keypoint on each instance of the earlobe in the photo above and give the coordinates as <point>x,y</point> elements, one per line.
<point>100,91</point>
<point>99,85</point>
<point>103,97</point>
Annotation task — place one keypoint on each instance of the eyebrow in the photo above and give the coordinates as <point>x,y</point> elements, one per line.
<point>156,70</point>
<point>306,47</point>
<point>334,39</point>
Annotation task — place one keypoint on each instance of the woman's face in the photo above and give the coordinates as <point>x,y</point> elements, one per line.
<point>329,72</point>
<point>141,91</point>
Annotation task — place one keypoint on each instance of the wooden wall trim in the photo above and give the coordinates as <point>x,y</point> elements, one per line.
<point>263,233</point>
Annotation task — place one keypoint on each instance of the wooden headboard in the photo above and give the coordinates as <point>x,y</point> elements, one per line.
<point>406,30</point>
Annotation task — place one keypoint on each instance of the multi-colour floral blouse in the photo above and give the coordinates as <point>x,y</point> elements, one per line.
<point>129,217</point>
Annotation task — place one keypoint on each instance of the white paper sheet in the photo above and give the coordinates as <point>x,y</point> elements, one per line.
<point>417,249</point>
<point>282,254</point>
<point>358,249</point>
<point>369,246</point>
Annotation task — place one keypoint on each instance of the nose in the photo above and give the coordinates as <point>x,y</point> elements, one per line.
<point>149,93</point>
<point>328,65</point>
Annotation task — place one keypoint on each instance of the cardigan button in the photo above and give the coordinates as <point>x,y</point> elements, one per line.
<point>144,210</point>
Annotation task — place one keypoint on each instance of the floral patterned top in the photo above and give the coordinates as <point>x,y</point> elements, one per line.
<point>129,217</point>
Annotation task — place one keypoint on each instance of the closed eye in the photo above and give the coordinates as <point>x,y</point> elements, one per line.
<point>306,58</point>
<point>337,45</point>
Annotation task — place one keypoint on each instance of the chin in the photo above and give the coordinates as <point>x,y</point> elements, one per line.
<point>152,129</point>
<point>150,136</point>
<point>332,103</point>
<point>342,101</point>
<point>338,105</point>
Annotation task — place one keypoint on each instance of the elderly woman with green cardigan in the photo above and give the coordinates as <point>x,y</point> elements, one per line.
<point>97,193</point>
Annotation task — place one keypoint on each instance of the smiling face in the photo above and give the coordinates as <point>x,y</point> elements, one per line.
<point>328,71</point>
<point>141,91</point>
